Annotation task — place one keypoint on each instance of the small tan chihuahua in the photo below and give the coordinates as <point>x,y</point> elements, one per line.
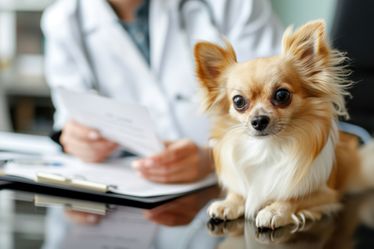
<point>276,145</point>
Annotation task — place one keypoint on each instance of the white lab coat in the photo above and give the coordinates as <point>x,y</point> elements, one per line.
<point>168,87</point>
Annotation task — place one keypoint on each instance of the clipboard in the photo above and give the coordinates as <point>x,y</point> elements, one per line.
<point>62,175</point>
<point>24,184</point>
<point>116,178</point>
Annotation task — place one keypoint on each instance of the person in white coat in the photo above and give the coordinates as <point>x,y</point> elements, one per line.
<point>140,51</point>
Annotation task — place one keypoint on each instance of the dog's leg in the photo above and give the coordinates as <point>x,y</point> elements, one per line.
<point>298,211</point>
<point>228,209</point>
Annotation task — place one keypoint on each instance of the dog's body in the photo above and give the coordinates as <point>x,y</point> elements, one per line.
<point>276,144</point>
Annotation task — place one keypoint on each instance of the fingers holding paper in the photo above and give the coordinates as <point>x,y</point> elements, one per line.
<point>181,161</point>
<point>85,143</point>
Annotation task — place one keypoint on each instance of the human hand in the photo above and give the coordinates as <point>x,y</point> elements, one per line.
<point>85,143</point>
<point>181,161</point>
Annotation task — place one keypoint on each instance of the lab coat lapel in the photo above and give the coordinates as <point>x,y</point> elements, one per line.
<point>120,46</point>
<point>159,20</point>
<point>148,87</point>
<point>107,28</point>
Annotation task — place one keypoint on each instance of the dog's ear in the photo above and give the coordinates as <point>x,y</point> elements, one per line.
<point>323,68</point>
<point>211,63</point>
<point>308,45</point>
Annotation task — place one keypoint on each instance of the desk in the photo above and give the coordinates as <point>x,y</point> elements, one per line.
<point>181,223</point>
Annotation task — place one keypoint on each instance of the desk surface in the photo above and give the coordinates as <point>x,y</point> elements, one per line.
<point>181,223</point>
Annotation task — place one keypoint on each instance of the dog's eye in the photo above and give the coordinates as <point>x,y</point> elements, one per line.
<point>282,97</point>
<point>240,103</point>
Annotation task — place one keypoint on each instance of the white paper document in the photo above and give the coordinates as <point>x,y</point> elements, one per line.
<point>127,124</point>
<point>117,173</point>
<point>29,144</point>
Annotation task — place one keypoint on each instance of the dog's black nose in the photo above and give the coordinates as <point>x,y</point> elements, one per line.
<point>260,122</point>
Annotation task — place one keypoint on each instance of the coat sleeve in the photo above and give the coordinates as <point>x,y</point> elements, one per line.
<point>250,25</point>
<point>61,66</point>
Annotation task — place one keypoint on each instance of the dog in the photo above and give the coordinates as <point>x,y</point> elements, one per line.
<point>276,144</point>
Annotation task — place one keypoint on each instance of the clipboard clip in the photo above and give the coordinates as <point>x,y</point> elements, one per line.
<point>55,179</point>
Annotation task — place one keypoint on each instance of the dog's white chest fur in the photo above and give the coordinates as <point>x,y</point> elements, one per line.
<point>263,170</point>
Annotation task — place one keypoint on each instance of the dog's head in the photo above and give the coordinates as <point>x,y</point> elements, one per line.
<point>274,96</point>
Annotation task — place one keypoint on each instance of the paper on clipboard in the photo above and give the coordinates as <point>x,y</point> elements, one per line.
<point>127,124</point>
<point>116,172</point>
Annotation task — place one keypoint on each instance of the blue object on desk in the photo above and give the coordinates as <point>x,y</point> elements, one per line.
<point>32,162</point>
<point>41,162</point>
<point>360,132</point>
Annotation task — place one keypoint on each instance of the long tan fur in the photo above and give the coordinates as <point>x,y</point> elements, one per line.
<point>300,132</point>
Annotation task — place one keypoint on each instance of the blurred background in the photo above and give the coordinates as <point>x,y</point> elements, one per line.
<point>25,105</point>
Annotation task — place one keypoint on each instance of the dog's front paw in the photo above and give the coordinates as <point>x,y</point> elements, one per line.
<point>300,219</point>
<point>272,217</point>
<point>225,210</point>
